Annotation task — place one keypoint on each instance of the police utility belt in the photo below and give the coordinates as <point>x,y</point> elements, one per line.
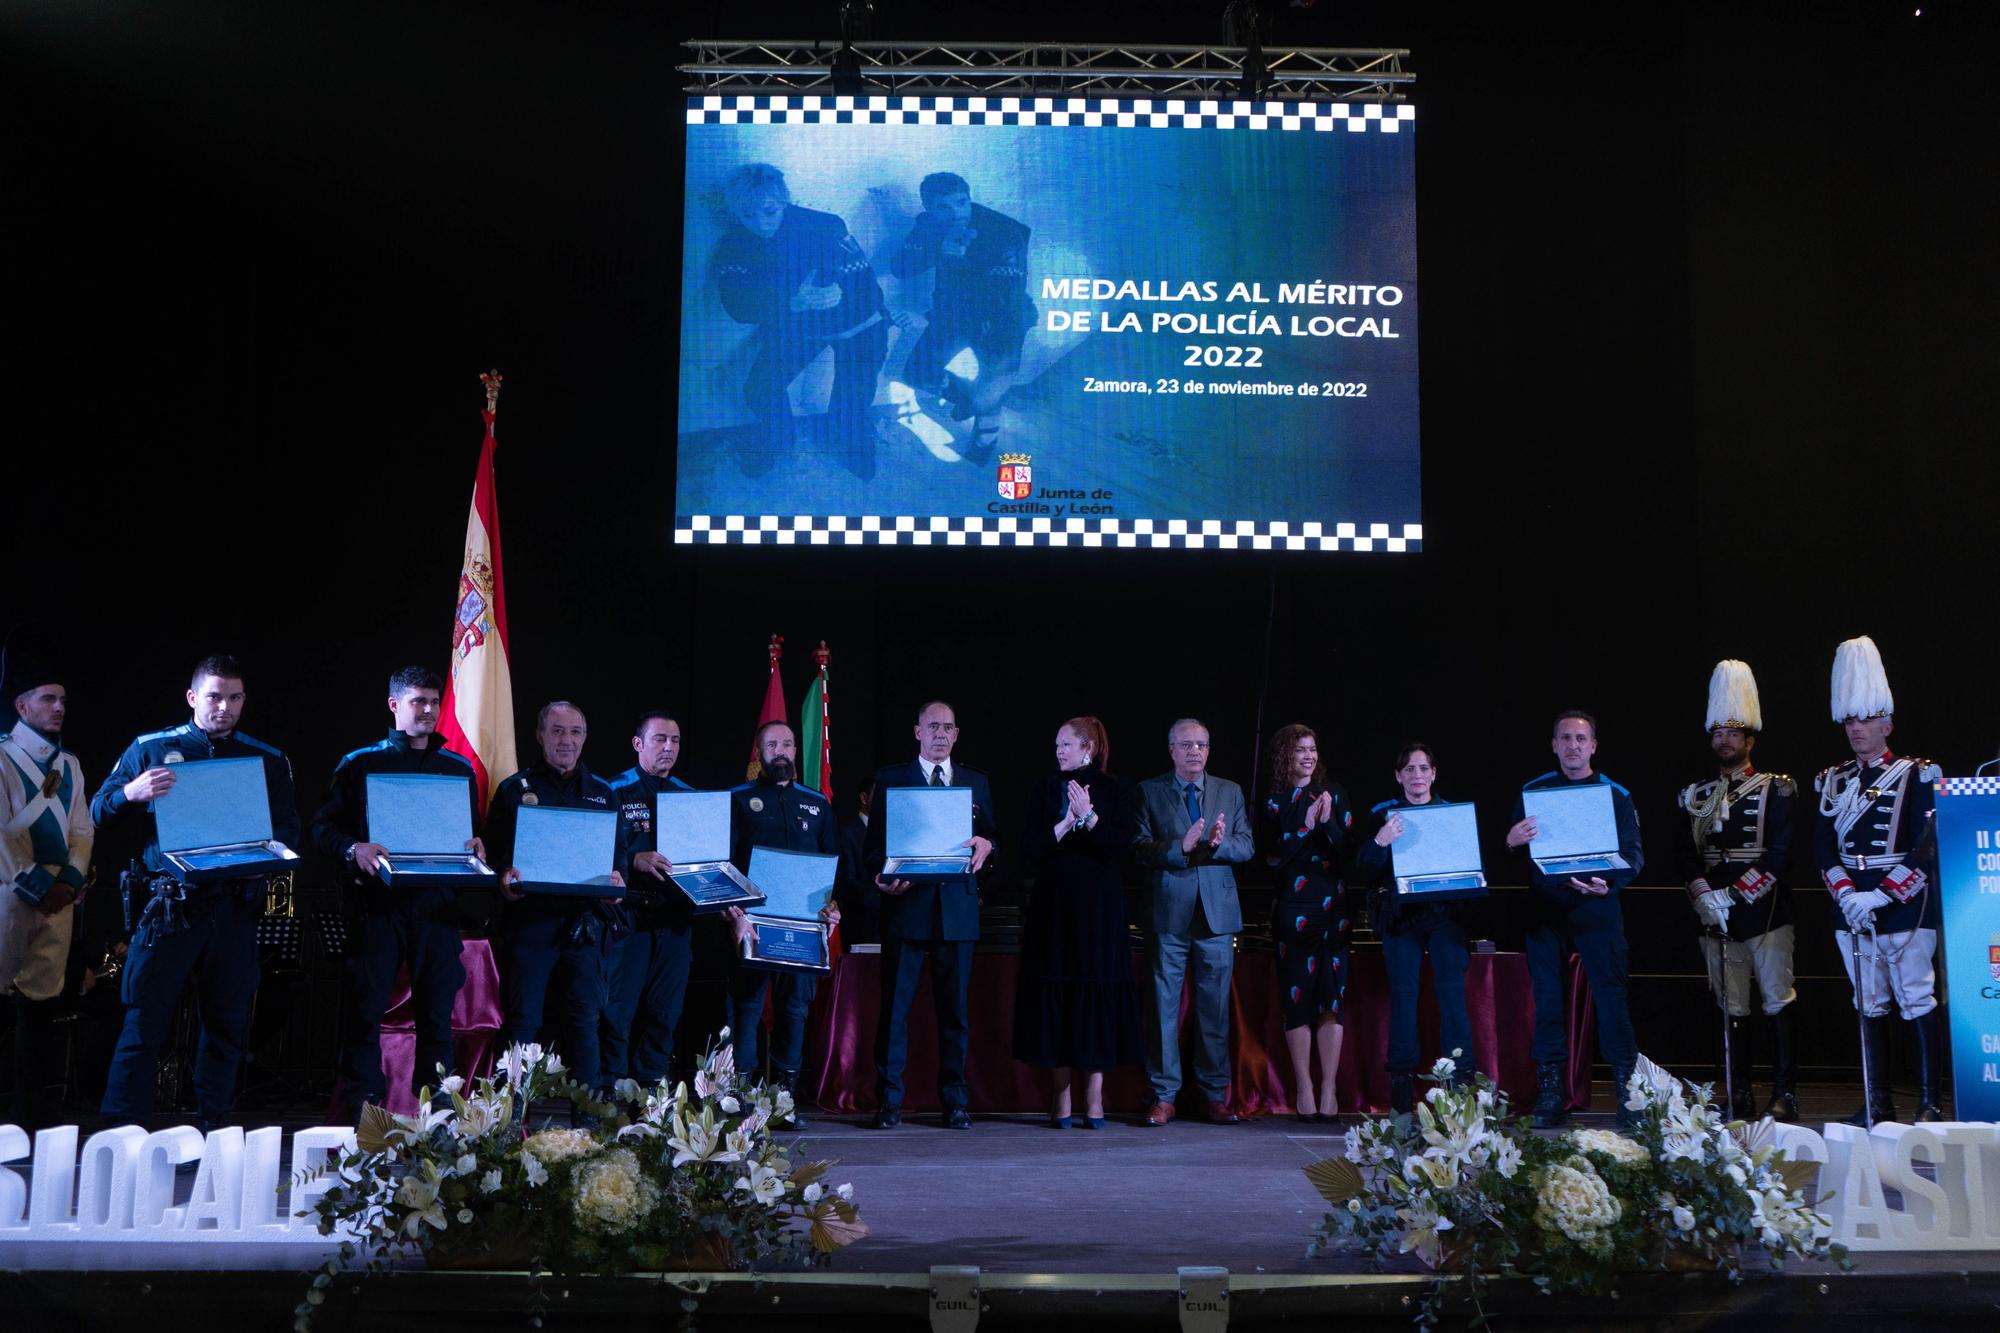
<point>157,906</point>
<point>1878,862</point>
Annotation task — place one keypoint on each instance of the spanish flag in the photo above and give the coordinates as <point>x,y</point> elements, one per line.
<point>478,713</point>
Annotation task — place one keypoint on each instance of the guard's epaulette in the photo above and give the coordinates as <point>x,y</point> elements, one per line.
<point>1819,778</point>
<point>1928,771</point>
<point>1692,792</point>
<point>1379,807</point>
<point>256,744</point>
<point>1784,784</point>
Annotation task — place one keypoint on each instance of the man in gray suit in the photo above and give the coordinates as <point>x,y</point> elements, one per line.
<point>1192,828</point>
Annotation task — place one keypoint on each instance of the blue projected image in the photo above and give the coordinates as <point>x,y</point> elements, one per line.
<point>1085,324</point>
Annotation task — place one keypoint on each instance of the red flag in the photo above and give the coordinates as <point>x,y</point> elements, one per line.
<point>774,705</point>
<point>477,719</point>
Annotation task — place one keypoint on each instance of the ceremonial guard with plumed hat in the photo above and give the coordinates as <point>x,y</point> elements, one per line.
<point>1734,847</point>
<point>1875,847</point>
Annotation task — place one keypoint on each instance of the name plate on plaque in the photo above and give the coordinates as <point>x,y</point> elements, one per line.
<point>927,829</point>
<point>566,852</point>
<point>423,821</point>
<point>214,823</point>
<point>1437,858</point>
<point>1577,830</point>
<point>797,887</point>
<point>693,833</point>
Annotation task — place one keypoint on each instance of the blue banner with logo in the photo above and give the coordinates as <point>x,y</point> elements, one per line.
<point>1968,833</point>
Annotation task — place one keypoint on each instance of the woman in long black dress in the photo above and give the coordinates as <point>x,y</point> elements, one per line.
<point>1076,1012</point>
<point>1303,828</point>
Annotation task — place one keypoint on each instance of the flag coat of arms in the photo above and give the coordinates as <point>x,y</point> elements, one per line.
<point>1017,476</point>
<point>477,718</point>
<point>1993,957</point>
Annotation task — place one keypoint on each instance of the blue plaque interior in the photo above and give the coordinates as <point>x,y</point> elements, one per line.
<point>795,884</point>
<point>1572,821</point>
<point>419,813</point>
<point>693,826</point>
<point>1438,839</point>
<point>928,821</point>
<point>565,846</point>
<point>214,803</point>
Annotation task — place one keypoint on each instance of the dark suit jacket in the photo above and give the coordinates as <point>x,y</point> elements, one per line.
<point>944,911</point>
<point>1179,879</point>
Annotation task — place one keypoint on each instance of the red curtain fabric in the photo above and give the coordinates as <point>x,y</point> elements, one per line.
<point>841,1064</point>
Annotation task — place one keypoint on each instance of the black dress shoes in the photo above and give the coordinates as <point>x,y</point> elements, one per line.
<point>888,1117</point>
<point>958,1118</point>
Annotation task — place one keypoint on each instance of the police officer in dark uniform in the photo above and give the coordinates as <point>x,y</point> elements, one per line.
<point>394,927</point>
<point>806,284</point>
<point>649,970</point>
<point>1584,914</point>
<point>776,810</point>
<point>211,933</point>
<point>979,300</point>
<point>557,950</point>
<point>1734,846</point>
<point>1876,847</point>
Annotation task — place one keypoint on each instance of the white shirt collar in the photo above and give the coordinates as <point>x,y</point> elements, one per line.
<point>927,765</point>
<point>33,742</point>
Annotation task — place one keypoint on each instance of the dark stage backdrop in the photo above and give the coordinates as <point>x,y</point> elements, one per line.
<point>1707,371</point>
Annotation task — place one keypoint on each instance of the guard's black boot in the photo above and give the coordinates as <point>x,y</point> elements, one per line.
<point>1784,1104</point>
<point>36,1064</point>
<point>1930,1065</point>
<point>1551,1095</point>
<point>1741,1104</point>
<point>1880,1108</point>
<point>1621,1078</point>
<point>1402,1094</point>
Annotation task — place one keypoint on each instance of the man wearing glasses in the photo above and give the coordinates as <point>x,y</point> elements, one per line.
<point>936,921</point>
<point>1192,829</point>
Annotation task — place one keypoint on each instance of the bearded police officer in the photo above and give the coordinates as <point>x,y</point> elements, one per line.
<point>1733,849</point>
<point>1874,844</point>
<point>209,934</point>
<point>776,810</point>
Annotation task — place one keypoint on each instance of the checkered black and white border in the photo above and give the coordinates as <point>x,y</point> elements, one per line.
<point>1989,786</point>
<point>1125,113</point>
<point>1116,533</point>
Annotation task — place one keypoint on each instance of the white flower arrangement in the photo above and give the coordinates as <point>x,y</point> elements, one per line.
<point>660,1178</point>
<point>1464,1187</point>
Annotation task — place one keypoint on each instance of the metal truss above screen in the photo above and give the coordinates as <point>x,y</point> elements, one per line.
<point>907,68</point>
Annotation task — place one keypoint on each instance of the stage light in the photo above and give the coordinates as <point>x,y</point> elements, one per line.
<point>857,18</point>
<point>1242,25</point>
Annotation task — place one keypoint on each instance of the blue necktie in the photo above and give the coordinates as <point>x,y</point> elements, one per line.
<point>1193,795</point>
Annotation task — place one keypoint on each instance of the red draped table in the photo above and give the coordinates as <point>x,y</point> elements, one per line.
<point>840,1068</point>
<point>475,1027</point>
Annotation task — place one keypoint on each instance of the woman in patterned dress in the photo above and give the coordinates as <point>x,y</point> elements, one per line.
<point>1303,828</point>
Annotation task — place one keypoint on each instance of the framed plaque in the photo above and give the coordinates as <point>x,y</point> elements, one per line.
<point>566,852</point>
<point>693,833</point>
<point>214,823</point>
<point>797,886</point>
<point>1438,855</point>
<point>1577,830</point>
<point>926,832</point>
<point>423,821</point>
